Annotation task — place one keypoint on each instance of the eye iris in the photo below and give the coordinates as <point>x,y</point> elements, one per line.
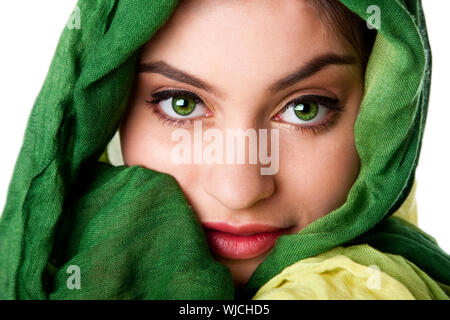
<point>306,111</point>
<point>183,106</point>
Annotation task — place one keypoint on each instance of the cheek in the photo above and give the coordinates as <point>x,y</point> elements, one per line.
<point>318,174</point>
<point>146,142</point>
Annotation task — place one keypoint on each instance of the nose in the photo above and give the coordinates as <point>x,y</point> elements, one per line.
<point>238,186</point>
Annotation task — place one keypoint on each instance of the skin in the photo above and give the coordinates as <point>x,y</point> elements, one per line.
<point>241,48</point>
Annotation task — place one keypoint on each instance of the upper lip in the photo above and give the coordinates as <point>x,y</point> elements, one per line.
<point>246,229</point>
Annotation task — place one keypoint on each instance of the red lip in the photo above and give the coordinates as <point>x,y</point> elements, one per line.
<point>241,242</point>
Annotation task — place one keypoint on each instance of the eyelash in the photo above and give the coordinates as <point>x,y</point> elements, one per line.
<point>334,110</point>
<point>167,94</point>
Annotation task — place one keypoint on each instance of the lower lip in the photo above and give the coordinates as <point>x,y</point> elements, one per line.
<point>234,246</point>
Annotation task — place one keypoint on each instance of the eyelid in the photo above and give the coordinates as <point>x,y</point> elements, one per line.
<point>334,110</point>
<point>170,93</point>
<point>330,103</point>
<point>175,120</point>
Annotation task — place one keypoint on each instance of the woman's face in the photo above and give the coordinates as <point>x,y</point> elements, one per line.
<point>248,65</point>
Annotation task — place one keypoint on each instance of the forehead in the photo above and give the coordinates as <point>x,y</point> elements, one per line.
<point>242,38</point>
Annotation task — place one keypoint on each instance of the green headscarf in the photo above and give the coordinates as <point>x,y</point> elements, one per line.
<point>130,231</point>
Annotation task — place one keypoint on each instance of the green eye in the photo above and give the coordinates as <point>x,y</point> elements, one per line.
<point>183,105</point>
<point>306,111</point>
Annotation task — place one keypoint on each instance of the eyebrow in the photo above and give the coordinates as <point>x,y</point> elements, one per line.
<point>172,73</point>
<point>312,67</point>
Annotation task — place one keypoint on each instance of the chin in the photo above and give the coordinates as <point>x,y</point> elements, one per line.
<point>242,270</point>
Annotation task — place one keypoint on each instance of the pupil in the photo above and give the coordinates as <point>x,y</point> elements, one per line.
<point>304,108</point>
<point>183,106</point>
<point>306,111</point>
<point>181,103</point>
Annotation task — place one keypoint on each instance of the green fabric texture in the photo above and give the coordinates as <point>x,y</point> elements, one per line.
<point>129,229</point>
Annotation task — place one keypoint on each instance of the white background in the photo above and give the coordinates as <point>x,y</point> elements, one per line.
<point>29,32</point>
